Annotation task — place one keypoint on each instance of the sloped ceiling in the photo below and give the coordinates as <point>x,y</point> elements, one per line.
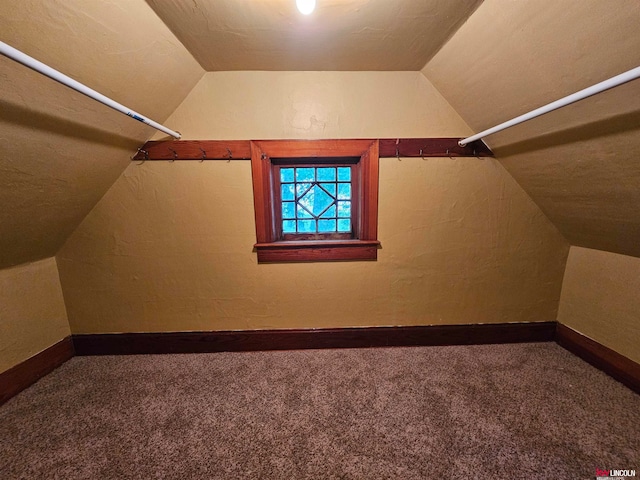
<point>59,150</point>
<point>580,164</point>
<point>339,35</point>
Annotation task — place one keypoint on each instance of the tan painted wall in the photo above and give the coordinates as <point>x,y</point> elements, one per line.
<point>600,299</point>
<point>276,105</point>
<point>32,312</point>
<point>169,247</point>
<point>59,150</point>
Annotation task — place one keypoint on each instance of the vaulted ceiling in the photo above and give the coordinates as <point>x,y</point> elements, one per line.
<point>61,151</point>
<point>339,35</point>
<point>492,60</point>
<point>580,164</point>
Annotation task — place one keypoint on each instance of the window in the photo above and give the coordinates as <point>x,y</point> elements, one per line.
<point>315,200</point>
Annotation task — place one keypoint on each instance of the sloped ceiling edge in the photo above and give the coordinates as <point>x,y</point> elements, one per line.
<point>59,150</point>
<point>579,164</point>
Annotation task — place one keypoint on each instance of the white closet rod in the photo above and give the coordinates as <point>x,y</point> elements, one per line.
<point>24,59</point>
<point>625,77</point>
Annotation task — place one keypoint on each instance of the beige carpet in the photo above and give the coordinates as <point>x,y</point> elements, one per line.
<point>526,411</point>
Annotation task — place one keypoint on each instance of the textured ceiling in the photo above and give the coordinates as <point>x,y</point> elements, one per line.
<point>580,164</point>
<point>339,35</point>
<point>59,150</point>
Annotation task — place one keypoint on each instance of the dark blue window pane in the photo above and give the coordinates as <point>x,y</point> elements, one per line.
<point>305,174</point>
<point>330,188</point>
<point>301,188</point>
<point>344,174</point>
<point>326,226</point>
<point>287,192</point>
<point>286,175</point>
<point>344,209</point>
<point>326,174</point>
<point>330,213</point>
<point>302,213</point>
<point>344,191</point>
<point>288,210</point>
<point>289,226</point>
<point>306,226</point>
<point>344,225</point>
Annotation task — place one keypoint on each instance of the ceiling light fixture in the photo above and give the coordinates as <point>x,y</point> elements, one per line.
<point>306,6</point>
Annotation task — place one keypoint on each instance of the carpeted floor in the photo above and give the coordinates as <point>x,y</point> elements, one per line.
<point>525,411</point>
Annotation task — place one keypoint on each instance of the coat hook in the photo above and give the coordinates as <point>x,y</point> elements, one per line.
<point>397,149</point>
<point>204,155</point>
<point>230,155</point>
<point>421,154</point>
<point>449,155</point>
<point>144,152</point>
<point>175,154</point>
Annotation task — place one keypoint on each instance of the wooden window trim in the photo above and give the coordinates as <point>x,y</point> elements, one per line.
<point>268,246</point>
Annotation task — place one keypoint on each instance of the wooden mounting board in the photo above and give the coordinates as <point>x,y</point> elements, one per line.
<point>201,150</point>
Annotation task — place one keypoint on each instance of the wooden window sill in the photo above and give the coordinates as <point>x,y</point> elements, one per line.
<point>317,251</point>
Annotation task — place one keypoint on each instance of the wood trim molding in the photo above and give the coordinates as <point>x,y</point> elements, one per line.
<point>609,361</point>
<point>263,340</point>
<point>270,245</point>
<point>369,196</point>
<point>261,176</point>
<point>327,250</point>
<point>17,378</point>
<point>313,148</point>
<point>432,147</point>
<point>241,149</point>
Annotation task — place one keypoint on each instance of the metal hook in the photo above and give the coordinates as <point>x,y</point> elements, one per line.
<point>175,154</point>
<point>230,155</point>
<point>204,155</point>
<point>421,154</point>
<point>397,149</point>
<point>144,152</point>
<point>449,155</point>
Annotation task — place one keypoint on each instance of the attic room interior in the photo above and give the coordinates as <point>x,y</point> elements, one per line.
<point>312,274</point>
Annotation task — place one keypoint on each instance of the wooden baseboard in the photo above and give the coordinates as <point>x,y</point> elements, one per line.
<point>256,340</point>
<point>610,362</point>
<point>17,378</point>
<point>28,372</point>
